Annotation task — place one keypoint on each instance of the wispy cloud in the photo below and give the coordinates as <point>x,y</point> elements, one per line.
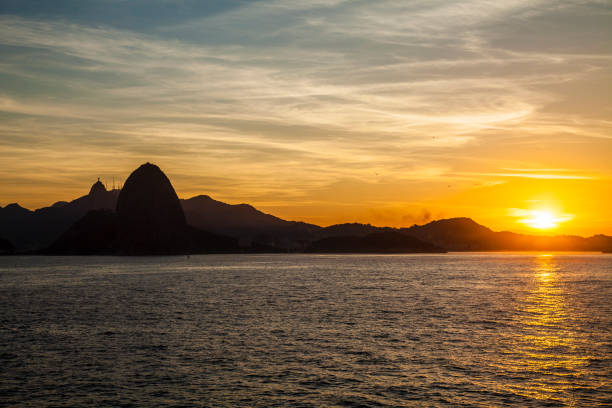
<point>549,176</point>
<point>291,97</point>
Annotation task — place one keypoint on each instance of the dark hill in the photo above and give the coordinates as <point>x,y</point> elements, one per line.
<point>203,211</point>
<point>29,230</point>
<point>14,210</point>
<point>351,229</point>
<point>456,234</point>
<point>94,234</point>
<point>248,224</point>
<point>464,234</point>
<point>377,242</point>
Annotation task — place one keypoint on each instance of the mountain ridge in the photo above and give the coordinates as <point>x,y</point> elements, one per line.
<point>27,230</point>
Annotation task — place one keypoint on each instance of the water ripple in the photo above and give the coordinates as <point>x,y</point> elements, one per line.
<point>475,330</point>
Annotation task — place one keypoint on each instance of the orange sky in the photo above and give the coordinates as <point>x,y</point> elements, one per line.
<point>327,112</point>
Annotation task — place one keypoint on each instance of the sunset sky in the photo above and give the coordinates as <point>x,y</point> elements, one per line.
<point>327,111</point>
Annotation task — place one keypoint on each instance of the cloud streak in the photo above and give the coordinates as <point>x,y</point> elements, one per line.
<point>326,91</point>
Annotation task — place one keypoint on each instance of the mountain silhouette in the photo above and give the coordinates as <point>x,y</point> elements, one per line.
<point>456,234</point>
<point>149,220</point>
<point>248,224</point>
<point>376,242</point>
<point>464,234</point>
<point>29,230</point>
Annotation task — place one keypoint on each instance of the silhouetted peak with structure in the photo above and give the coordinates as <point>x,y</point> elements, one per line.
<point>97,188</point>
<point>149,220</point>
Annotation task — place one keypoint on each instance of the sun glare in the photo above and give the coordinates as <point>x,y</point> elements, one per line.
<point>543,219</point>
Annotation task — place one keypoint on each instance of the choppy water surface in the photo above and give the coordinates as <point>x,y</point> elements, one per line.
<point>301,330</point>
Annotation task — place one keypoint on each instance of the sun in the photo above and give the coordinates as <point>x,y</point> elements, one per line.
<point>543,219</point>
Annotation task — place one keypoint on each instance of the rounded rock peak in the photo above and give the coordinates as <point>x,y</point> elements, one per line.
<point>148,197</point>
<point>97,187</point>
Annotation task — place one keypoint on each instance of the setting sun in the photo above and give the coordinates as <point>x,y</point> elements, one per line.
<point>543,219</point>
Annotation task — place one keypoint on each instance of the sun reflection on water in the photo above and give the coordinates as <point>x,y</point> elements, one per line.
<point>546,348</point>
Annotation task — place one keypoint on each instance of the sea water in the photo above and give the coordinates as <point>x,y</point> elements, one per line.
<point>478,330</point>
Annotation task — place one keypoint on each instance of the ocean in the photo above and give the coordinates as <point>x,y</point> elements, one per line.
<point>478,330</point>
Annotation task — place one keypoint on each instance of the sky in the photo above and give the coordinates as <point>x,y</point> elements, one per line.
<point>327,111</point>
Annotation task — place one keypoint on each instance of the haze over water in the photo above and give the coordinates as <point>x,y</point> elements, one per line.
<point>307,330</point>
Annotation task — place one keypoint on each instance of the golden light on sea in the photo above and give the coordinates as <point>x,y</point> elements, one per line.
<point>548,345</point>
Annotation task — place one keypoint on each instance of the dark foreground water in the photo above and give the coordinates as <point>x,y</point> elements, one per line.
<point>299,330</point>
